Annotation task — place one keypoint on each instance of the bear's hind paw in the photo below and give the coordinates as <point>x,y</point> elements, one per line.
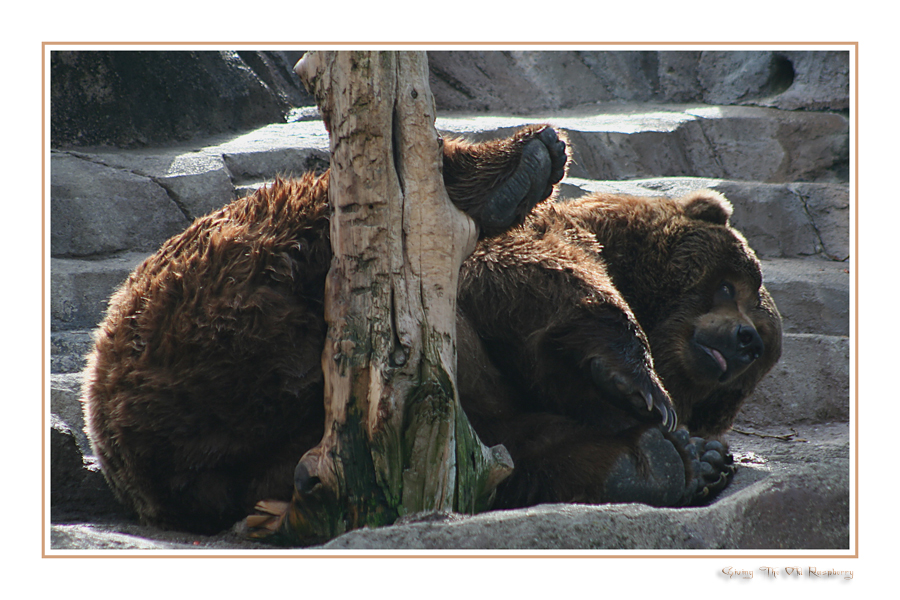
<point>541,165</point>
<point>712,467</point>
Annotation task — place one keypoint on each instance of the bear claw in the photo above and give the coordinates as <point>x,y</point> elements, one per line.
<point>669,418</point>
<point>625,392</point>
<point>712,466</point>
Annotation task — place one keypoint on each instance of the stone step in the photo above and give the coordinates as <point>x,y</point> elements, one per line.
<point>105,200</point>
<point>810,384</point>
<point>809,496</point>
<point>96,209</point>
<point>779,219</point>
<point>193,172</point>
<point>80,289</point>
<point>68,350</point>
<point>746,143</point>
<point>813,296</point>
<point>112,200</point>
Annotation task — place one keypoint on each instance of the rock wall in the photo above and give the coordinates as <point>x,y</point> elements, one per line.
<point>524,82</point>
<point>137,98</point>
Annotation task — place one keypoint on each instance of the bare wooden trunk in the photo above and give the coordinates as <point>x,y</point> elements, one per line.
<point>396,440</point>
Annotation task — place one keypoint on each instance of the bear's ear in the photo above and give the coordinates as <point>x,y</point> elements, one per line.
<point>707,205</point>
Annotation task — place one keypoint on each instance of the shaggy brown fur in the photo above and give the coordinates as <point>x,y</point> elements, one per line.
<point>205,387</point>
<point>569,287</point>
<point>206,384</point>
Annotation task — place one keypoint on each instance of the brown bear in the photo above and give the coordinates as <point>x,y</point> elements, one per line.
<point>586,329</point>
<point>557,317</point>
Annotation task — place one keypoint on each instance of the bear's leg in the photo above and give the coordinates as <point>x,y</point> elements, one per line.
<point>560,332</point>
<point>615,353</point>
<point>497,183</point>
<point>562,458</point>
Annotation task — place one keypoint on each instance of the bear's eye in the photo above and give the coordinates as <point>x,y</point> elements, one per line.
<point>725,291</point>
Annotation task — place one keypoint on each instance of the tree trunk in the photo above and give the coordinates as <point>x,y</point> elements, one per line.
<point>396,440</point>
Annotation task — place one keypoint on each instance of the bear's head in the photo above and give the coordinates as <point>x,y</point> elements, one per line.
<point>695,287</point>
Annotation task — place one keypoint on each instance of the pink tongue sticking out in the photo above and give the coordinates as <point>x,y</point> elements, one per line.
<point>719,359</point>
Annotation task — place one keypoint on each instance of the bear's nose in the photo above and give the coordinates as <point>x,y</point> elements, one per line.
<point>749,344</point>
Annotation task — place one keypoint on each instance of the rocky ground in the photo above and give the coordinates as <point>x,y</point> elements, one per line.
<point>779,152</point>
<point>791,491</point>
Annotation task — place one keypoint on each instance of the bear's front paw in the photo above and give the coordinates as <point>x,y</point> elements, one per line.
<point>542,165</point>
<point>639,394</point>
<point>712,467</point>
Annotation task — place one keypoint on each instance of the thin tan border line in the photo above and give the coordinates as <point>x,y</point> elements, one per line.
<point>855,110</point>
<point>43,300</point>
<point>440,556</point>
<point>308,43</point>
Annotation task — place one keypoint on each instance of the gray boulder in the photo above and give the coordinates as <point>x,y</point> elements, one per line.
<point>77,488</point>
<point>785,80</point>
<point>133,99</point>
